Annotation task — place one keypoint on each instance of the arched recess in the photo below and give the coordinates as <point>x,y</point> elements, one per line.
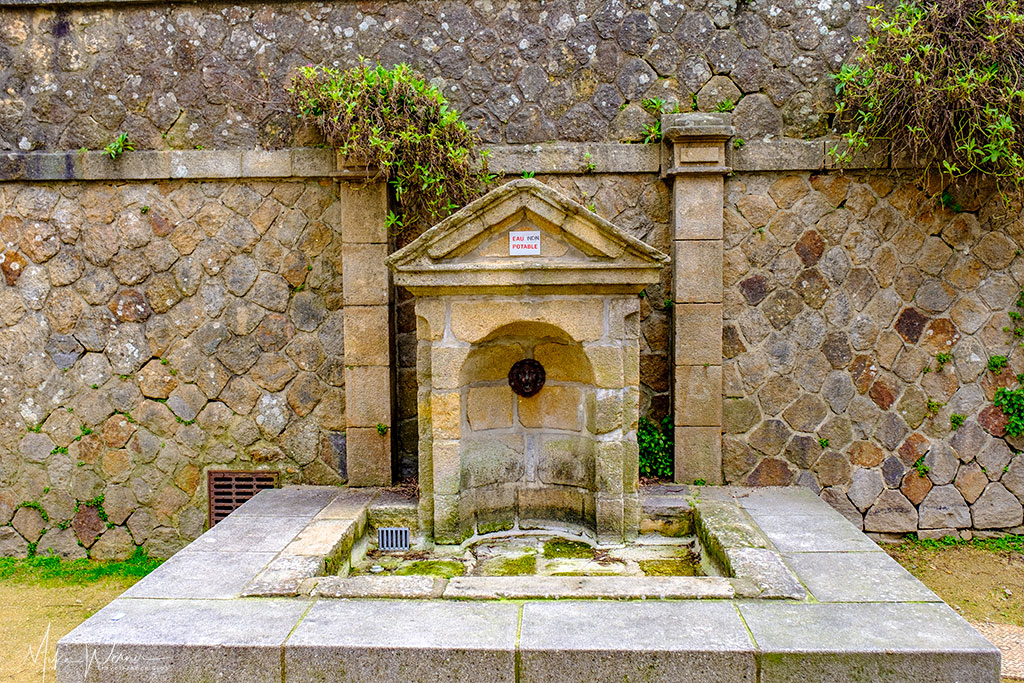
<point>528,461</point>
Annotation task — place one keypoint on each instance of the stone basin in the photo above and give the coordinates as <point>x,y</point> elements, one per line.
<point>803,595</point>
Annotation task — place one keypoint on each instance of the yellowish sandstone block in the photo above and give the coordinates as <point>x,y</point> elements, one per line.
<point>555,407</point>
<point>489,407</point>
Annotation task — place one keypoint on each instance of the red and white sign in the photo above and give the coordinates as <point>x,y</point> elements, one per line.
<point>524,243</point>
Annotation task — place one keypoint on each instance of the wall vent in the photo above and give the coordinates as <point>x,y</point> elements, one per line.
<point>228,489</point>
<point>393,538</point>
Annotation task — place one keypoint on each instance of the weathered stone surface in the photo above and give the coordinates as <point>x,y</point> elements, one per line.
<point>28,522</point>
<point>806,413</point>
<point>87,525</point>
<point>891,513</point>
<point>156,379</point>
<point>910,324</point>
<point>944,507</point>
<point>971,481</point>
<point>996,508</point>
<point>11,543</point>
<point>865,485</point>
<point>130,306</point>
<point>771,472</point>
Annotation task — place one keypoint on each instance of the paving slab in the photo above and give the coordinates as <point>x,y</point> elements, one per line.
<point>765,571</point>
<point>858,577</point>
<point>397,640</point>
<point>201,574</point>
<point>347,504</point>
<point>589,587</point>
<point>867,642</point>
<point>284,576</point>
<point>291,501</point>
<point>813,533</point>
<point>776,500</point>
<point>142,640</point>
<point>697,642</point>
<point>421,587</point>
<point>256,534</point>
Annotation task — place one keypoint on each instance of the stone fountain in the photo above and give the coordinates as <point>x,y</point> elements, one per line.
<point>528,366</point>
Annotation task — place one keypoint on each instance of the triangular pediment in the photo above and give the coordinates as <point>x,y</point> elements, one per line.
<point>525,234</point>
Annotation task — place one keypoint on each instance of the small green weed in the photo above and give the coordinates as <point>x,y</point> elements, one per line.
<point>823,443</point>
<point>956,420</point>
<point>725,105</point>
<point>119,146</point>
<point>652,133</point>
<point>933,407</point>
<point>382,428</point>
<point>920,467</point>
<point>942,358</point>
<point>997,363</point>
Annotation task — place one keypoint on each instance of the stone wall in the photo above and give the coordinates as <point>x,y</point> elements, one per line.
<point>211,74</point>
<point>150,331</point>
<point>840,293</point>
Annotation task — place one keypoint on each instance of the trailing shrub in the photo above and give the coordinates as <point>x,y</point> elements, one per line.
<point>942,81</point>
<point>402,126</point>
<point>657,454</point>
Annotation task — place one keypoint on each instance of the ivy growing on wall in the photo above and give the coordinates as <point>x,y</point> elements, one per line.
<point>942,82</point>
<point>404,127</point>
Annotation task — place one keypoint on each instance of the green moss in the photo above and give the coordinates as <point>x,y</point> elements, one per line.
<point>559,547</point>
<point>443,568</point>
<point>679,567</point>
<point>512,566</point>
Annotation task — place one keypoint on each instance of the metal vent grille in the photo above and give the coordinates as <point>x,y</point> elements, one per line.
<point>393,538</point>
<point>229,489</point>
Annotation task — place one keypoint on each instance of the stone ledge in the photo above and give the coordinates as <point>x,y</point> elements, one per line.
<point>311,162</point>
<point>572,159</point>
<point>298,162</point>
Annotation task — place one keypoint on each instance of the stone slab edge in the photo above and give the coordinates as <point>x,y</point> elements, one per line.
<point>729,533</point>
<point>310,162</point>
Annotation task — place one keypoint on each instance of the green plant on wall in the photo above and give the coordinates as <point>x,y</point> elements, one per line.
<point>1011,402</point>
<point>657,454</point>
<point>940,83</point>
<point>402,126</point>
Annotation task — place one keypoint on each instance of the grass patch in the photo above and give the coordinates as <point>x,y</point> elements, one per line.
<point>1010,543</point>
<point>53,570</point>
<point>443,568</point>
<point>560,547</point>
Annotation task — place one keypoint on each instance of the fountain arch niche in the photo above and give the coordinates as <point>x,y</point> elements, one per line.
<point>527,366</point>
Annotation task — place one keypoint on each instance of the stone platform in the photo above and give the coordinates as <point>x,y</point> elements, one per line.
<point>864,618</point>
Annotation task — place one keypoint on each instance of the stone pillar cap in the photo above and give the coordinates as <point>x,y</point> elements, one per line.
<point>696,125</point>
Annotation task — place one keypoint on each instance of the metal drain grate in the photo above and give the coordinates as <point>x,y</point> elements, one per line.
<point>393,538</point>
<point>228,489</point>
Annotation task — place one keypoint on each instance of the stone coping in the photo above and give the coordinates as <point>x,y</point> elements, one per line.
<point>784,154</point>
<point>323,546</point>
<point>864,617</point>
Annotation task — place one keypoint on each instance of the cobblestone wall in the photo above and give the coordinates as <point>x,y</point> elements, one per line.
<point>212,74</point>
<point>840,293</point>
<point>152,331</point>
